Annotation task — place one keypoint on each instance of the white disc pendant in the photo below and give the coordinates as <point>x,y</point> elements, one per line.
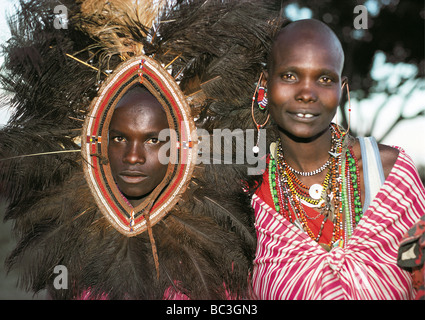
<point>315,191</point>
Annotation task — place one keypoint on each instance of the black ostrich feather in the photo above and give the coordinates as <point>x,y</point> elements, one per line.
<point>206,243</point>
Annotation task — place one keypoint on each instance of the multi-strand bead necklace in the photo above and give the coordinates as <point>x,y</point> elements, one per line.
<point>337,198</point>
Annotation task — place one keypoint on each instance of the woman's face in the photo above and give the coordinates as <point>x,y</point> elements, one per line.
<point>133,145</point>
<point>303,84</point>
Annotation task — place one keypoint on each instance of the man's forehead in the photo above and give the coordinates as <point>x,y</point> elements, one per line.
<point>140,98</point>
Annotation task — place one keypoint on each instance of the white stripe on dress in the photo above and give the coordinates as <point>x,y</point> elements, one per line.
<point>290,265</point>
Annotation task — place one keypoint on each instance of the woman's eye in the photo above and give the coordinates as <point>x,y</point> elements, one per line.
<point>288,76</point>
<point>325,80</point>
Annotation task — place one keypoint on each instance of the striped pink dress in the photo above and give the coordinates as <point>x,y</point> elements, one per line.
<point>290,265</point>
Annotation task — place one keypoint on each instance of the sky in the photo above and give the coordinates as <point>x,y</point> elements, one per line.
<point>6,8</point>
<point>408,134</point>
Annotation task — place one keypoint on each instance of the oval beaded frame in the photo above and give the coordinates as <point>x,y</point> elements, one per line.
<point>94,147</point>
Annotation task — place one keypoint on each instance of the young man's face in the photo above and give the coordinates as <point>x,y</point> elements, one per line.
<point>133,145</point>
<point>304,82</point>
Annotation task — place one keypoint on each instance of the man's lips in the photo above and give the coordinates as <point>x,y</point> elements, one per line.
<point>132,177</point>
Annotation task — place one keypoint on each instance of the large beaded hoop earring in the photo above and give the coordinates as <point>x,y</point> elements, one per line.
<point>262,103</point>
<point>262,98</point>
<point>345,84</point>
<point>260,95</point>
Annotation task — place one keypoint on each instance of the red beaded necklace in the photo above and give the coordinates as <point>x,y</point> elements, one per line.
<point>340,192</point>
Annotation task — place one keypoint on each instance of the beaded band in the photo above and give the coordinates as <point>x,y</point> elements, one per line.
<point>120,214</point>
<point>310,173</point>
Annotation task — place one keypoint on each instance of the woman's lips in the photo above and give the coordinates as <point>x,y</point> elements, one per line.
<point>132,177</point>
<point>303,116</point>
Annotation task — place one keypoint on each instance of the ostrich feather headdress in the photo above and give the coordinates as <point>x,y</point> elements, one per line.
<point>209,54</point>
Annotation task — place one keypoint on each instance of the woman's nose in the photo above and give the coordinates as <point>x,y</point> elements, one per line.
<point>306,92</point>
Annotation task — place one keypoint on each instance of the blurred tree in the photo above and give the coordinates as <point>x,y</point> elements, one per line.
<point>394,39</point>
<point>394,28</point>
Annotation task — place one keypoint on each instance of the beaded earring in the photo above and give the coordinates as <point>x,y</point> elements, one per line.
<point>262,103</point>
<point>262,98</point>
<point>260,95</point>
<point>345,84</point>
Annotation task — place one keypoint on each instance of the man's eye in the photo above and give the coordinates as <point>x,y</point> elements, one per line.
<point>118,139</point>
<point>153,141</point>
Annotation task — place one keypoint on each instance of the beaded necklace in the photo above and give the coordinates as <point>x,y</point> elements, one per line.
<point>339,198</point>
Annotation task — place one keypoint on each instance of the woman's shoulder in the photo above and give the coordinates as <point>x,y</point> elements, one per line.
<point>389,156</point>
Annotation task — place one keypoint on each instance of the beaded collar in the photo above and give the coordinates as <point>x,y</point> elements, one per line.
<point>183,147</point>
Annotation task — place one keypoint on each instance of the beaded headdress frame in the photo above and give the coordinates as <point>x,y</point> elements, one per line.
<point>183,146</point>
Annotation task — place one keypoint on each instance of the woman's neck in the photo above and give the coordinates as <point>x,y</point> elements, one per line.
<point>306,155</point>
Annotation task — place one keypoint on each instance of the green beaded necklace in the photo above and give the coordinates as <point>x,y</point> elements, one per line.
<point>342,182</point>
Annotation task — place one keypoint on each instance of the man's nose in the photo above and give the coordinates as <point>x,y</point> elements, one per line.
<point>135,153</point>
